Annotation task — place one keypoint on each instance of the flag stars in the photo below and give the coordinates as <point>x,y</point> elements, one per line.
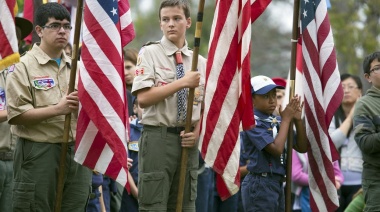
<point>114,11</point>
<point>304,13</point>
<point>306,1</point>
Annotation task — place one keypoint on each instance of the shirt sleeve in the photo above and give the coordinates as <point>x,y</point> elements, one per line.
<point>145,73</point>
<point>337,136</point>
<point>299,177</point>
<point>365,130</point>
<point>19,97</point>
<point>260,136</point>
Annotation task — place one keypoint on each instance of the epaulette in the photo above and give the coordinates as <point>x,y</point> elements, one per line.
<point>151,42</point>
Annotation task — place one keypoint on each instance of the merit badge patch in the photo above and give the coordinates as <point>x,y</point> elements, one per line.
<point>2,98</point>
<point>44,83</point>
<point>133,145</point>
<point>139,72</point>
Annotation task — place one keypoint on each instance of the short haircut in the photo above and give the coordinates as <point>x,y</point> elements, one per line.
<point>183,4</point>
<point>50,10</point>
<point>368,60</point>
<point>354,77</point>
<point>130,55</point>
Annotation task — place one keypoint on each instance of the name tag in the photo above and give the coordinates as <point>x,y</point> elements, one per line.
<point>133,145</point>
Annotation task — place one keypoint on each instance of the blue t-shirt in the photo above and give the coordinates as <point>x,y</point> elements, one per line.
<point>254,142</point>
<point>136,128</point>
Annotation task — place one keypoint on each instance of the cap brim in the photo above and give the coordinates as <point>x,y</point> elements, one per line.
<point>267,88</point>
<point>25,26</point>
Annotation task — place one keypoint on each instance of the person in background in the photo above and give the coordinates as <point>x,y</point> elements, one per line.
<point>162,79</point>
<point>7,139</point>
<point>23,28</point>
<point>37,102</point>
<point>300,181</point>
<point>262,188</point>
<point>129,202</point>
<point>68,49</point>
<point>130,61</point>
<point>367,132</point>
<point>341,133</point>
<point>280,93</point>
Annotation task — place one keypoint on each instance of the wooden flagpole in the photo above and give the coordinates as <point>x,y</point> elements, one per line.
<point>194,64</point>
<point>74,61</point>
<point>293,58</point>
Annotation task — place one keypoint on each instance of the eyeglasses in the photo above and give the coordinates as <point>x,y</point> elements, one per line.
<point>376,68</point>
<point>349,87</point>
<point>57,27</point>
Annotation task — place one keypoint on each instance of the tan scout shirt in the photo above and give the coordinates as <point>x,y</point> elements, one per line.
<point>37,82</point>
<point>6,142</point>
<point>156,66</point>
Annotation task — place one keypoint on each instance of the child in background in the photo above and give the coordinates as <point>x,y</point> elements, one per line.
<point>129,202</point>
<point>262,188</point>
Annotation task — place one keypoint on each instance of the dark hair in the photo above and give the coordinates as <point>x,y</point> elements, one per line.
<point>130,55</point>
<point>50,10</point>
<point>354,77</point>
<point>183,4</point>
<point>368,60</point>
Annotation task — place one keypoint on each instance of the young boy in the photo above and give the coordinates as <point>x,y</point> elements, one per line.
<point>367,132</point>
<point>262,188</point>
<point>159,87</point>
<point>129,202</point>
<point>37,105</point>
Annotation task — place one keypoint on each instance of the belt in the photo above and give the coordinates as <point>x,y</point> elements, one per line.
<point>174,130</point>
<point>6,156</point>
<point>268,175</point>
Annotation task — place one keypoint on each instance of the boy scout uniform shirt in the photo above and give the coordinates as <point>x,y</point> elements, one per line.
<point>37,82</point>
<point>156,66</point>
<point>254,141</point>
<point>7,141</point>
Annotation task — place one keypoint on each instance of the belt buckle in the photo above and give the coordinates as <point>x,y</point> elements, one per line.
<point>264,174</point>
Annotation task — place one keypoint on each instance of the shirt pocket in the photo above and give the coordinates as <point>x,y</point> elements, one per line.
<point>46,97</point>
<point>164,77</point>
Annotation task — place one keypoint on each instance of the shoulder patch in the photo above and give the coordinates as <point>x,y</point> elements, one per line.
<point>11,68</point>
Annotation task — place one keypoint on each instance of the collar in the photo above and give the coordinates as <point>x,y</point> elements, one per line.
<point>43,58</point>
<point>170,48</point>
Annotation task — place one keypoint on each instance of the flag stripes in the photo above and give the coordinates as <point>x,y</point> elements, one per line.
<point>323,95</point>
<point>8,39</point>
<point>227,97</point>
<point>102,122</point>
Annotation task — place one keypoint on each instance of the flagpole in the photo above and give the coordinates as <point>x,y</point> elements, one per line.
<point>74,61</point>
<point>293,58</point>
<point>194,64</point>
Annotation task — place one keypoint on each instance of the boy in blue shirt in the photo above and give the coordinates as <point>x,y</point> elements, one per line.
<point>262,188</point>
<point>129,202</point>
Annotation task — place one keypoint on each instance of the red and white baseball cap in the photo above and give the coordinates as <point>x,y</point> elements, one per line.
<point>263,84</point>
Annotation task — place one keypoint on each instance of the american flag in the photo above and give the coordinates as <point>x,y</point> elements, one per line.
<point>323,94</point>
<point>102,130</point>
<point>228,89</point>
<point>8,39</point>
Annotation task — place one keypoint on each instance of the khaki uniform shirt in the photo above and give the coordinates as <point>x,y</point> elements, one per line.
<point>38,82</point>
<point>7,141</point>
<point>156,66</point>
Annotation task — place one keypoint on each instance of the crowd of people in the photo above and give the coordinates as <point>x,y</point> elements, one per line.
<point>34,102</point>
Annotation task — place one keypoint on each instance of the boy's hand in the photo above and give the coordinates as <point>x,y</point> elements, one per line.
<point>69,103</point>
<point>188,139</point>
<point>289,112</point>
<point>191,79</point>
<point>298,113</point>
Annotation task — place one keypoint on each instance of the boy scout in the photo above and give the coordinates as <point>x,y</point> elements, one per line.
<point>157,86</point>
<point>37,105</point>
<point>7,140</point>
